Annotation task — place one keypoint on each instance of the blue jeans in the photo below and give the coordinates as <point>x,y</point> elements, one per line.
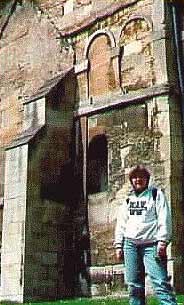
<point>140,259</point>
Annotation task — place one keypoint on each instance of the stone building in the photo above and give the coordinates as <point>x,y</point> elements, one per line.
<point>88,89</point>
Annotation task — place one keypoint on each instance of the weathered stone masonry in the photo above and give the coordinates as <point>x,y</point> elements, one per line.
<point>88,89</point>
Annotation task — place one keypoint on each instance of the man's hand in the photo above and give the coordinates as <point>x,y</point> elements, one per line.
<point>162,249</point>
<point>119,255</point>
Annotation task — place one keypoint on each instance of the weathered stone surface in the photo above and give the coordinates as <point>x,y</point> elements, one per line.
<point>122,93</point>
<point>82,18</point>
<point>13,237</point>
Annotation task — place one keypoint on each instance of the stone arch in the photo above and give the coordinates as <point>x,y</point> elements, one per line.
<point>95,35</point>
<point>134,18</point>
<point>101,75</point>
<point>136,62</point>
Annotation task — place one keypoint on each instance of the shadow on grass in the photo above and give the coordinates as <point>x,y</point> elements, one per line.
<point>94,301</point>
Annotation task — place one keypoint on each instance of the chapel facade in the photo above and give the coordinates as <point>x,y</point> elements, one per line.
<point>88,89</point>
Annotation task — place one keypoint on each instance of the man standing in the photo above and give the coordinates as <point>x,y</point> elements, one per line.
<point>143,231</point>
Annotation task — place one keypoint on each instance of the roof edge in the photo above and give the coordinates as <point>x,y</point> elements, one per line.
<point>25,137</point>
<point>96,16</point>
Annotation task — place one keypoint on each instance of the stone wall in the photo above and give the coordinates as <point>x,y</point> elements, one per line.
<point>13,234</point>
<point>30,54</point>
<point>49,219</point>
<point>129,142</point>
<point>45,222</point>
<point>45,211</point>
<point>125,71</point>
<point>176,189</point>
<point>130,55</point>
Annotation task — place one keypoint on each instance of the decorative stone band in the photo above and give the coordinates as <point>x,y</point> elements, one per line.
<point>118,98</point>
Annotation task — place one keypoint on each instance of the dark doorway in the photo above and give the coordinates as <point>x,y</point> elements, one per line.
<point>97,165</point>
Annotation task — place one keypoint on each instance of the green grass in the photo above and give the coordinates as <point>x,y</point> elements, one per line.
<point>95,301</point>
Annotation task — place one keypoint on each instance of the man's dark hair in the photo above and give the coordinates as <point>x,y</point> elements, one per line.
<point>139,170</point>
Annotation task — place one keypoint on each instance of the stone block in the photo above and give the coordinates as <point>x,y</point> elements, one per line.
<point>18,191</point>
<point>15,228</point>
<point>81,66</point>
<point>28,64</point>
<point>165,148</point>
<point>97,201</point>
<point>53,274</point>
<point>159,53</point>
<point>49,258</point>
<point>34,113</point>
<point>11,287</point>
<point>132,48</point>
<point>177,192</point>
<point>52,292</point>
<point>16,172</point>
<point>13,271</point>
<point>40,242</point>
<point>163,123</point>
<point>177,148</point>
<point>162,103</point>
<point>17,298</point>
<point>158,19</point>
<point>46,284</point>
<point>52,245</point>
<point>16,211</point>
<point>176,124</point>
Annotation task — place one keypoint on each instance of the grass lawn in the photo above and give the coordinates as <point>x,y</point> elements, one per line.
<point>88,301</point>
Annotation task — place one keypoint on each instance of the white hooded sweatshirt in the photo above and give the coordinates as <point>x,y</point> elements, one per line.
<point>144,218</point>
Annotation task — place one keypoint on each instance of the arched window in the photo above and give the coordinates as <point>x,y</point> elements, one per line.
<point>97,165</point>
<point>137,61</point>
<point>101,74</point>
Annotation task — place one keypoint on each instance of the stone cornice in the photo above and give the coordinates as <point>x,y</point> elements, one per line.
<point>49,85</point>
<point>25,137</point>
<point>115,100</point>
<point>94,17</point>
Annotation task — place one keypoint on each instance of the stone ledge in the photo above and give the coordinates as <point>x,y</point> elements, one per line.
<point>78,26</point>
<point>25,137</point>
<point>106,102</point>
<point>161,34</point>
